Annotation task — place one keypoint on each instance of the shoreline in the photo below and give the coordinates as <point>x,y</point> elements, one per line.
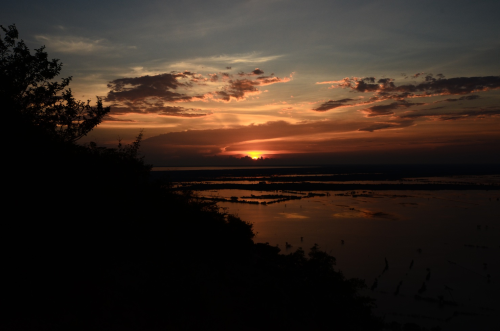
<point>336,187</point>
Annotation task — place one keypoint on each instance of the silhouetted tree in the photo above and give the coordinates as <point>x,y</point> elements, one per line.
<point>94,245</point>
<point>29,94</point>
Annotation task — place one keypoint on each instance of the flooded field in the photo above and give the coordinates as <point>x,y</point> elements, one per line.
<point>426,240</point>
<point>428,257</point>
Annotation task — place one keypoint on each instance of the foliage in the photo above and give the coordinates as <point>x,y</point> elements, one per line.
<point>28,92</point>
<point>94,245</point>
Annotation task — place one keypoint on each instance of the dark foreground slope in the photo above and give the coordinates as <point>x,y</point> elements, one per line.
<point>89,243</point>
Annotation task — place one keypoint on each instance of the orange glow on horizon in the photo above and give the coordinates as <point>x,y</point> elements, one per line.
<point>255,155</point>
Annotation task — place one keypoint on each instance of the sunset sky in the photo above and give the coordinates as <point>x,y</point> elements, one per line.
<point>300,82</point>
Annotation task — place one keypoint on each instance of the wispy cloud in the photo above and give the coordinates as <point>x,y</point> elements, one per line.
<point>454,115</point>
<point>80,45</point>
<point>397,124</point>
<point>332,104</point>
<point>384,110</point>
<point>240,58</point>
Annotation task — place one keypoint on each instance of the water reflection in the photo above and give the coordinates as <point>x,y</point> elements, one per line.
<point>426,254</point>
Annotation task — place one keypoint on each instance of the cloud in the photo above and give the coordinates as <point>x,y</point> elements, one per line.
<point>386,89</point>
<point>239,58</point>
<point>324,142</point>
<point>80,45</point>
<point>384,110</point>
<point>139,88</point>
<point>160,109</point>
<point>465,97</point>
<point>332,104</point>
<point>109,118</point>
<point>429,87</point>
<point>388,125</point>
<point>214,77</point>
<point>271,79</point>
<point>255,72</point>
<point>270,130</point>
<point>181,112</point>
<point>237,89</point>
<point>456,115</point>
<point>240,89</point>
<point>152,93</point>
<point>331,82</point>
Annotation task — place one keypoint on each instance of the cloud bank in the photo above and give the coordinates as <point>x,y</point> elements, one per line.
<point>155,94</point>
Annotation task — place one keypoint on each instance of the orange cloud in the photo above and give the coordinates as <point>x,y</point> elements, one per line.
<point>151,94</point>
<point>386,89</point>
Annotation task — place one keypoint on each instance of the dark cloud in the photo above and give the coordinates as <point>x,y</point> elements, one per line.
<point>332,104</point>
<point>193,146</point>
<point>214,77</point>
<point>181,112</point>
<point>138,88</point>
<point>456,115</point>
<point>386,89</point>
<point>269,130</point>
<point>271,79</point>
<point>109,118</point>
<point>381,110</point>
<point>438,85</point>
<point>388,125</point>
<point>255,72</point>
<point>149,94</point>
<point>238,89</point>
<point>302,141</point>
<point>384,110</point>
<point>158,109</point>
<point>466,97</point>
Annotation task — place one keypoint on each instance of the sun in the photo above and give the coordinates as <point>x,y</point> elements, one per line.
<point>255,155</point>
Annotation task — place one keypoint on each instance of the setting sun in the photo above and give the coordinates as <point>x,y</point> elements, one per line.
<point>255,155</point>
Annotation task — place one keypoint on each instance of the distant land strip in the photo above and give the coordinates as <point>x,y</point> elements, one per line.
<point>335,187</point>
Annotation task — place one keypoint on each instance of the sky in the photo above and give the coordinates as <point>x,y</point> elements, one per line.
<point>291,82</point>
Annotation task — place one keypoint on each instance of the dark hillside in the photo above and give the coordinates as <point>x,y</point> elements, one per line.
<point>90,243</point>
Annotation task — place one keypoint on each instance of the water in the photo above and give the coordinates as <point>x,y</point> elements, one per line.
<point>449,238</point>
<point>451,235</point>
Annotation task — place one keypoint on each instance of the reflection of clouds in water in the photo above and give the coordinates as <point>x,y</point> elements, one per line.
<point>429,227</point>
<point>293,215</point>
